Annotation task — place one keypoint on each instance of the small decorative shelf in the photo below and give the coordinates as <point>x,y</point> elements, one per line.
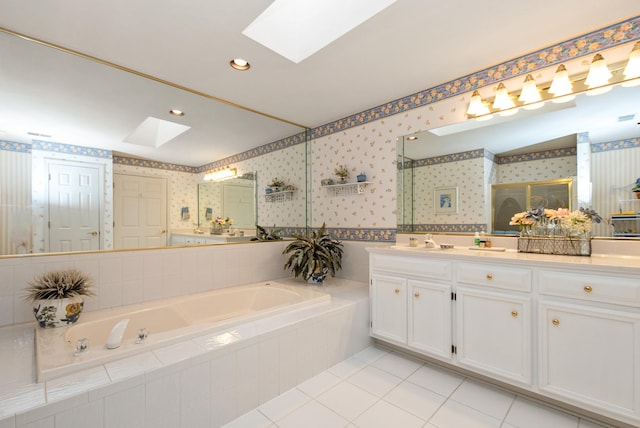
<point>626,225</point>
<point>283,196</point>
<point>347,189</point>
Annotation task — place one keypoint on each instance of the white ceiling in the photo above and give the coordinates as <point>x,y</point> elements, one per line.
<point>410,46</point>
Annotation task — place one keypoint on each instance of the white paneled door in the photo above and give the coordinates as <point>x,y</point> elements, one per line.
<point>74,206</point>
<point>140,211</point>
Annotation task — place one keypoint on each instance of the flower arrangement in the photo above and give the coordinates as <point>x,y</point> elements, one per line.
<point>342,172</point>
<point>218,223</point>
<point>636,186</point>
<point>222,221</point>
<point>276,183</point>
<point>555,231</point>
<point>561,220</point>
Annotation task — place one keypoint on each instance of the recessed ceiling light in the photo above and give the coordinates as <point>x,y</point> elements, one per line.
<point>239,64</point>
<point>176,112</point>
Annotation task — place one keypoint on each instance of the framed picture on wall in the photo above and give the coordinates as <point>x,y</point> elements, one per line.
<point>445,200</point>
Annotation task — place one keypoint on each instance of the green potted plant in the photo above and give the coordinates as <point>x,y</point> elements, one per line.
<point>636,188</point>
<point>314,256</point>
<point>57,296</point>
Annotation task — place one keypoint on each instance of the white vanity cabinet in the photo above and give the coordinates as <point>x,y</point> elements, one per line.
<point>389,308</point>
<point>561,327</point>
<point>411,303</point>
<point>493,332</point>
<point>493,320</point>
<point>429,318</point>
<point>589,347</point>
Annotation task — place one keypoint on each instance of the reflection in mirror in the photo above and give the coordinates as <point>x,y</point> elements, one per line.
<point>234,199</point>
<point>62,109</point>
<point>593,140</point>
<point>508,199</point>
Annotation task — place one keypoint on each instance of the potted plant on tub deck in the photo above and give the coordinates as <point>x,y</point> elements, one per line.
<point>314,256</point>
<point>57,296</point>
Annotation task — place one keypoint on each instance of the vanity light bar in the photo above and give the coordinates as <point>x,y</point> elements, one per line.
<point>556,91</point>
<point>222,174</point>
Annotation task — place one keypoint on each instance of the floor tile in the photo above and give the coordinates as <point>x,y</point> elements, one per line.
<point>397,365</point>
<point>370,354</point>
<point>526,413</point>
<point>347,400</point>
<point>374,380</point>
<point>284,404</point>
<point>485,398</point>
<point>415,399</point>
<point>253,419</point>
<point>313,415</point>
<point>456,415</point>
<point>319,384</point>
<point>347,367</point>
<point>436,379</point>
<point>385,415</point>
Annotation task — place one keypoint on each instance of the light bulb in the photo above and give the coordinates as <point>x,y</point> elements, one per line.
<point>561,86</point>
<point>503,100</point>
<point>477,106</point>
<point>599,75</point>
<point>632,69</point>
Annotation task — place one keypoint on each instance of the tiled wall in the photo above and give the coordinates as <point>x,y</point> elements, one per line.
<point>127,277</point>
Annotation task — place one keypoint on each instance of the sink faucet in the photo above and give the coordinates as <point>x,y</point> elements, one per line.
<point>115,336</point>
<point>429,242</point>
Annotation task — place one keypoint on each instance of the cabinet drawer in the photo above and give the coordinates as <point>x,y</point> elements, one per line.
<point>420,266</point>
<point>594,287</point>
<point>510,278</point>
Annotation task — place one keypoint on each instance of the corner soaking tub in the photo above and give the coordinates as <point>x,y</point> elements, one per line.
<point>167,321</point>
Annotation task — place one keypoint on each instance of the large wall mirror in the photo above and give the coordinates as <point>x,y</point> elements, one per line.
<point>591,141</point>
<point>235,199</point>
<point>67,117</point>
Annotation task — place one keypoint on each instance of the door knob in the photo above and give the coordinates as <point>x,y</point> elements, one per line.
<point>417,294</point>
<point>588,289</point>
<point>397,290</point>
<point>164,231</point>
<point>555,322</point>
<point>514,314</point>
<point>94,233</point>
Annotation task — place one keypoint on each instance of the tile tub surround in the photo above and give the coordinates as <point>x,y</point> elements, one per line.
<point>128,277</point>
<point>167,321</point>
<point>206,381</point>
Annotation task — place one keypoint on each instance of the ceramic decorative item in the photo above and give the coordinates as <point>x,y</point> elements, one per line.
<point>52,313</point>
<point>57,297</point>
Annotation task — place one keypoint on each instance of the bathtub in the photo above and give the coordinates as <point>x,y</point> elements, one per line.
<point>167,321</point>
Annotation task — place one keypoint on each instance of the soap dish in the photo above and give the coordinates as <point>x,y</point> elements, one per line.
<point>446,246</point>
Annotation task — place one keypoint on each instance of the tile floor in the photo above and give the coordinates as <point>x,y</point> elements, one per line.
<point>381,388</point>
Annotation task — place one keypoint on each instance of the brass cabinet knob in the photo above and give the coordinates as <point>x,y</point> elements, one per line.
<point>489,276</point>
<point>514,314</point>
<point>555,322</point>
<point>588,289</point>
<point>94,233</point>
<point>163,231</point>
<point>417,294</point>
<point>397,290</point>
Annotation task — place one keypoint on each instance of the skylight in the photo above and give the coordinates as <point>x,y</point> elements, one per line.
<point>155,132</point>
<point>297,29</point>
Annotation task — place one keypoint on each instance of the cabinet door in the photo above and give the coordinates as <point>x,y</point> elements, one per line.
<point>590,355</point>
<point>389,308</point>
<point>429,329</point>
<point>494,334</point>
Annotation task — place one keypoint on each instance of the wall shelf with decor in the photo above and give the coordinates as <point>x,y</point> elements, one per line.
<point>626,225</point>
<point>347,189</point>
<point>285,195</point>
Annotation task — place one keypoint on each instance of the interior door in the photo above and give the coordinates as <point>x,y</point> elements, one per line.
<point>239,204</point>
<point>74,206</point>
<point>139,211</point>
